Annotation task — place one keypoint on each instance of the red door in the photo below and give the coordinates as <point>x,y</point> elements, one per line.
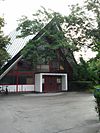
<point>50,84</point>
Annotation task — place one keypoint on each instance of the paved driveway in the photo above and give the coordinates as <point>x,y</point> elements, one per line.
<point>48,113</point>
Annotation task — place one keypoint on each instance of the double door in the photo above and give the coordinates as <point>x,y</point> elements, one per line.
<point>51,84</point>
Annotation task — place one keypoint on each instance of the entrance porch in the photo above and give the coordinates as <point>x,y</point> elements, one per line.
<point>50,82</point>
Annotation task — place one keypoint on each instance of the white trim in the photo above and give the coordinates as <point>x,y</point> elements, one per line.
<point>54,74</point>
<point>39,77</point>
<point>7,70</point>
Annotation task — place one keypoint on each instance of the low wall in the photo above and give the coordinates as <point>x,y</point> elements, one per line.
<point>21,88</point>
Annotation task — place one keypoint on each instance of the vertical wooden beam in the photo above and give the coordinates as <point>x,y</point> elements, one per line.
<point>17,75</point>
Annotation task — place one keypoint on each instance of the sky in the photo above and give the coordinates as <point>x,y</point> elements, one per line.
<point>12,10</point>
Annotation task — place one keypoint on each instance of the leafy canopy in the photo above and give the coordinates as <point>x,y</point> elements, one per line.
<point>78,27</point>
<point>81,28</point>
<point>4,40</point>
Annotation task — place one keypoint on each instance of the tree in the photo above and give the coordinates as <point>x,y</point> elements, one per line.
<point>4,40</point>
<point>78,30</point>
<point>93,7</point>
<point>64,39</point>
<point>94,69</point>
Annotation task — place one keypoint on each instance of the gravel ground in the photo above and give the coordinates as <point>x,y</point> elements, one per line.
<point>69,112</point>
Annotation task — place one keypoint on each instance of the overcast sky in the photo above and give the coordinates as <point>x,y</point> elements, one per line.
<point>12,10</point>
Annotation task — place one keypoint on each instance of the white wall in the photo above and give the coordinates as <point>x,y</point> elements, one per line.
<point>11,88</point>
<point>64,83</point>
<point>25,87</point>
<point>21,88</point>
<point>38,82</point>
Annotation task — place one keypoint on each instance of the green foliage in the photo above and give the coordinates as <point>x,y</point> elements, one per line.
<point>44,49</point>
<point>97,97</point>
<point>81,72</point>
<point>88,70</point>
<point>97,93</point>
<point>4,40</point>
<point>94,69</point>
<point>80,85</point>
<point>98,106</point>
<point>77,30</point>
<point>93,7</point>
<point>39,20</point>
<point>97,86</point>
<point>57,38</point>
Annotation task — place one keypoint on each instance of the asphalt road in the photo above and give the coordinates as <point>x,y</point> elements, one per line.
<point>68,112</point>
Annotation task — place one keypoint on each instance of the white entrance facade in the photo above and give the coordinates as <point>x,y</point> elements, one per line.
<point>39,81</point>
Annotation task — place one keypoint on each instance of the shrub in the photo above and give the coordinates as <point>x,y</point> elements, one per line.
<point>80,85</point>
<point>97,97</point>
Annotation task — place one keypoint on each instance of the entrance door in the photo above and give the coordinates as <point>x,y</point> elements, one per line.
<point>50,84</point>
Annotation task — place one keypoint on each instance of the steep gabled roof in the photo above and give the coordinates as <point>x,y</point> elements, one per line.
<point>19,55</point>
<point>17,43</point>
<point>51,25</point>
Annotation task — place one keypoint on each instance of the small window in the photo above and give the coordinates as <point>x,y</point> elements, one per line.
<point>8,80</point>
<point>59,80</point>
<point>22,80</point>
<point>29,80</point>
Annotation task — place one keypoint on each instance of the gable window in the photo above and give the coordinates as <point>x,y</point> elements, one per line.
<point>43,68</point>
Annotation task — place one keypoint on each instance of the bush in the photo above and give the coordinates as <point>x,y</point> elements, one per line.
<point>97,97</point>
<point>80,85</point>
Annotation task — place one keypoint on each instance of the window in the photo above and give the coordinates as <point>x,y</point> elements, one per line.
<point>43,68</point>
<point>25,80</point>
<point>8,80</point>
<point>22,80</point>
<point>29,80</point>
